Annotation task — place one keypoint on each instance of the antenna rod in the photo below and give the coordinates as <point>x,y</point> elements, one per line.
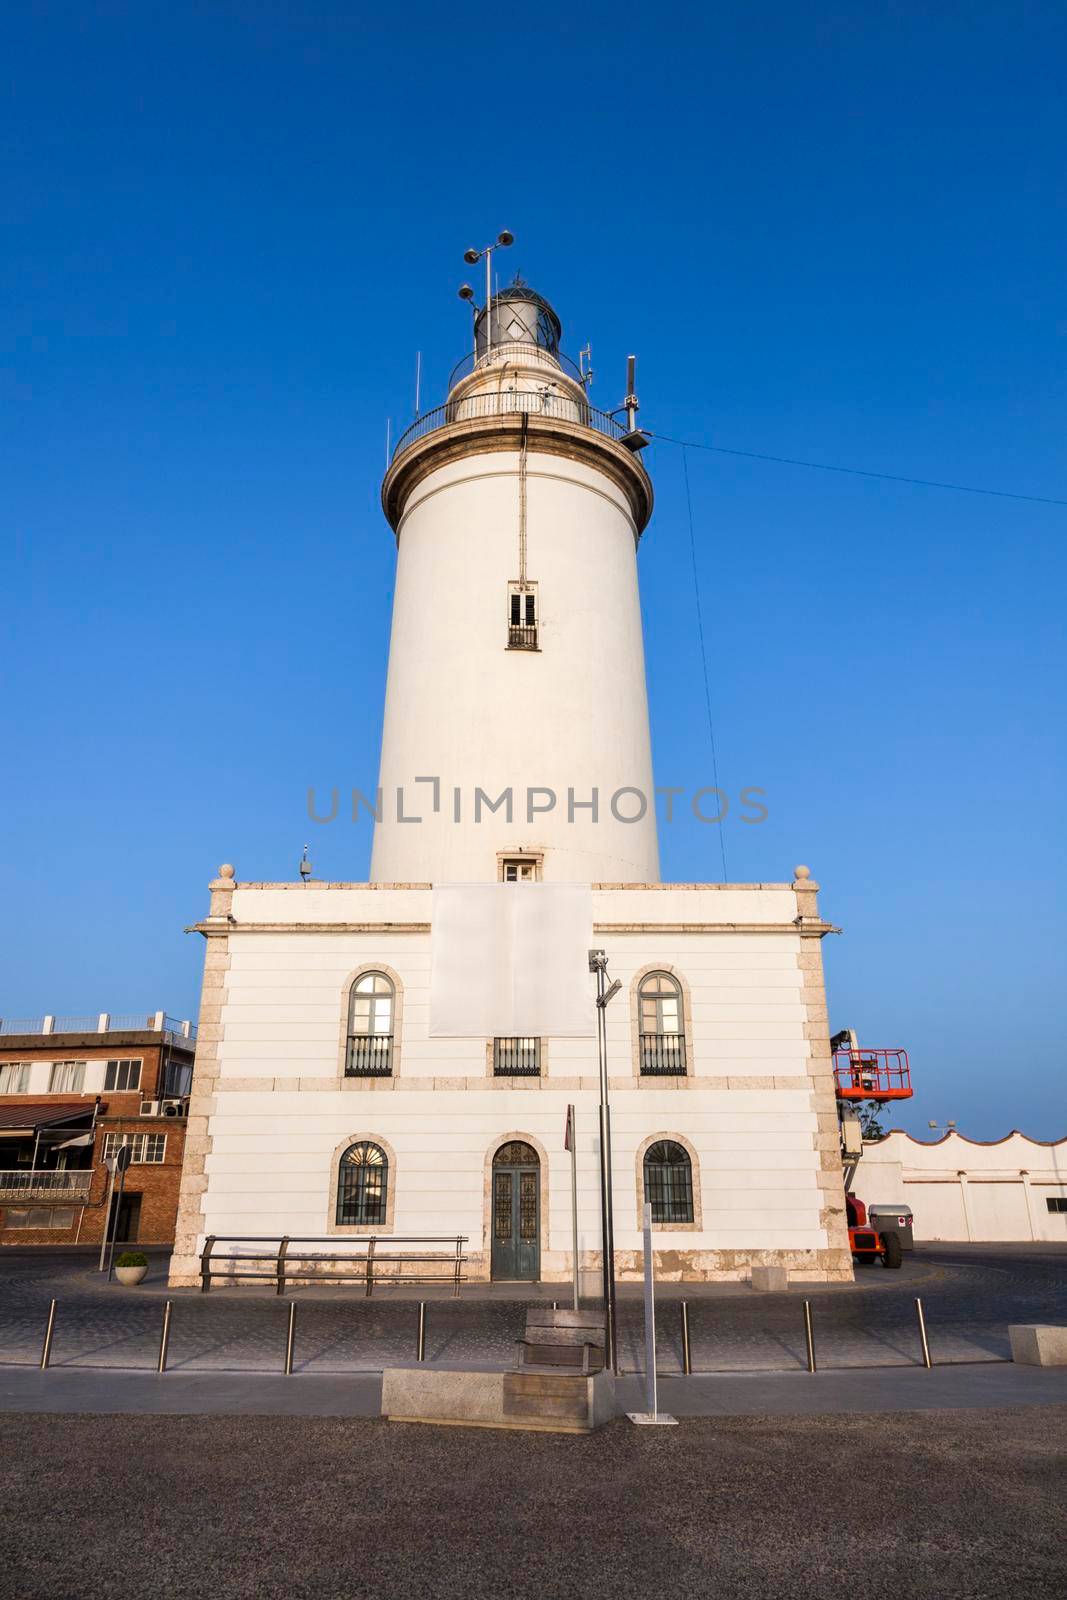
<point>488,304</point>
<point>388,434</point>
<point>418,378</point>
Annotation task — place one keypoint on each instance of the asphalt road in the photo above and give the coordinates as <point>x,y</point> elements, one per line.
<point>946,1504</point>
<point>970,1295</point>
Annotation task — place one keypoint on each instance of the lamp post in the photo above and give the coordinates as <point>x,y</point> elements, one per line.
<point>605,993</point>
<point>472,257</point>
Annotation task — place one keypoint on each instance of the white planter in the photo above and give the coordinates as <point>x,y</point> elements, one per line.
<point>131,1275</point>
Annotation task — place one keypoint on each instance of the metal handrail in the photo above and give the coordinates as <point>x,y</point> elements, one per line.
<point>535,402</point>
<point>369,1259</point>
<point>501,355</point>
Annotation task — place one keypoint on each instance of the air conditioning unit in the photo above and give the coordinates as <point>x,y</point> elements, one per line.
<point>174,1108</point>
<point>151,1108</point>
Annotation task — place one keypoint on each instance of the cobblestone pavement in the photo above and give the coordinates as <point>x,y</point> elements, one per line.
<point>970,1295</point>
<point>954,1505</point>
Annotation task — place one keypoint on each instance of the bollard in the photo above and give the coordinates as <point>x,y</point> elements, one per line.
<point>922,1333</point>
<point>164,1338</point>
<point>290,1338</point>
<point>809,1335</point>
<point>687,1364</point>
<point>420,1346</point>
<point>46,1348</point>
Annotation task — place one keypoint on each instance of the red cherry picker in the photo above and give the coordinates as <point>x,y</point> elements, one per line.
<point>878,1076</point>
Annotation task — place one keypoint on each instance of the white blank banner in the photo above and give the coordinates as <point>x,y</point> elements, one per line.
<point>511,960</point>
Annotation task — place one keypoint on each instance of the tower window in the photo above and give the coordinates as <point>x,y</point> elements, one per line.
<point>522,616</point>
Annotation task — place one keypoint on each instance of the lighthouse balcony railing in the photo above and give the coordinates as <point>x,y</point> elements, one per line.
<point>526,355</point>
<point>370,1055</point>
<point>536,402</point>
<point>663,1055</point>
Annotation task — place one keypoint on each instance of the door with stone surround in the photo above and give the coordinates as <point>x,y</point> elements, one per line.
<point>516,1214</point>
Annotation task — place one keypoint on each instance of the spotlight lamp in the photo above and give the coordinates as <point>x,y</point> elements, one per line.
<point>505,237</point>
<point>472,256</point>
<point>466,292</point>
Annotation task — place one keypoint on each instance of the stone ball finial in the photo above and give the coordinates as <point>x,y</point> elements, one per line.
<point>225,871</point>
<point>801,872</point>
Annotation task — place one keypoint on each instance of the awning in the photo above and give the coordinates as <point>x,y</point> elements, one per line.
<point>33,1115</point>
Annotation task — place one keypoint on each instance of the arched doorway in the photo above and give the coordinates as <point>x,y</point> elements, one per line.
<point>516,1219</point>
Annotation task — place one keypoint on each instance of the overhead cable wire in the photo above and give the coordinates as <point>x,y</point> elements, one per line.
<point>854,472</point>
<point>703,656</point>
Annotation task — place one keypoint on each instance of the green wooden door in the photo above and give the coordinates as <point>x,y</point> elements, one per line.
<point>516,1220</point>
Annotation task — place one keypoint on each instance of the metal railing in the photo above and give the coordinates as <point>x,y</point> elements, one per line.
<point>30,1185</point>
<point>872,1074</point>
<point>663,1055</point>
<point>526,355</point>
<point>517,1058</point>
<point>364,1262</point>
<point>522,638</point>
<point>133,1022</point>
<point>370,1055</point>
<point>536,402</point>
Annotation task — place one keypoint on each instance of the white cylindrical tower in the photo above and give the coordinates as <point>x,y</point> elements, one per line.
<point>516,715</point>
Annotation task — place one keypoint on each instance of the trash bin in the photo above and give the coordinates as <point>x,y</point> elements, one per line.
<point>893,1219</point>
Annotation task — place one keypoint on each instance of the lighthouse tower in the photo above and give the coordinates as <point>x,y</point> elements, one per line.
<point>516,715</point>
<point>354,1094</point>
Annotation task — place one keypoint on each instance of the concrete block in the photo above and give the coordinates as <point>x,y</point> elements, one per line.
<point>1038,1346</point>
<point>544,1402</point>
<point>770,1278</point>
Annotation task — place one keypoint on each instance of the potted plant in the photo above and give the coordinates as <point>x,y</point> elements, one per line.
<point>131,1267</point>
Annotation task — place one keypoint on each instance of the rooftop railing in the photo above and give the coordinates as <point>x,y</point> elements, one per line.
<point>102,1022</point>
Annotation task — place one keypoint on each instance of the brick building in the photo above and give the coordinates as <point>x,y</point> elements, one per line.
<point>72,1090</point>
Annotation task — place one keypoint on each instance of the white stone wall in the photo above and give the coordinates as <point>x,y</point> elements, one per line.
<point>964,1190</point>
<point>272,1107</point>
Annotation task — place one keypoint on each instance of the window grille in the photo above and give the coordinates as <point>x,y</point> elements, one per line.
<point>517,1058</point>
<point>362,1181</point>
<point>122,1074</point>
<point>669,1182</point>
<point>371,1012</point>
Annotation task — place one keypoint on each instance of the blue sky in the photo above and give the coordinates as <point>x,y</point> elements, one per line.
<point>829,233</point>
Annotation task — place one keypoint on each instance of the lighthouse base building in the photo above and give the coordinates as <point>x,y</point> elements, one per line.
<point>365,1066</point>
<point>304,1123</point>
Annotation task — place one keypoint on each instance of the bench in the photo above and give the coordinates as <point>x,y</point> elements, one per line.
<point>572,1341</point>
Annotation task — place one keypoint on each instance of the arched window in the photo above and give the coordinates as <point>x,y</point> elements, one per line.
<point>362,1182</point>
<point>669,1182</point>
<point>662,1024</point>
<point>371,1012</point>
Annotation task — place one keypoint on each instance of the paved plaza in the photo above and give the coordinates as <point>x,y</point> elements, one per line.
<point>942,1504</point>
<point>970,1295</point>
